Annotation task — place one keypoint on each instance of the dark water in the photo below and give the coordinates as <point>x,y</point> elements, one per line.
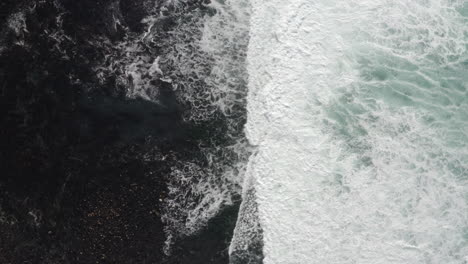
<point>84,167</point>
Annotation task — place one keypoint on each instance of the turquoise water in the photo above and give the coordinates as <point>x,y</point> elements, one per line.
<point>359,111</point>
<point>412,87</point>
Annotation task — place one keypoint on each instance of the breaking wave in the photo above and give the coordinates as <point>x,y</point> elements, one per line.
<point>358,111</point>
<point>203,58</point>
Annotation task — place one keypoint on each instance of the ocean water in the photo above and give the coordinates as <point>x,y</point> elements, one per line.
<point>204,60</point>
<point>354,148</point>
<point>358,111</point>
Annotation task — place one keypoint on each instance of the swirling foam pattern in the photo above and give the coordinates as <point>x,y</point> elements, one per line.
<point>359,111</point>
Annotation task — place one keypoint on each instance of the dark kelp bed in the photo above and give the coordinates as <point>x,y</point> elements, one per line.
<point>81,178</point>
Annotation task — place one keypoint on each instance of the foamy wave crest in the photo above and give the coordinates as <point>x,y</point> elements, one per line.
<point>199,50</point>
<point>359,112</point>
<point>199,190</point>
<point>247,242</point>
<point>204,59</point>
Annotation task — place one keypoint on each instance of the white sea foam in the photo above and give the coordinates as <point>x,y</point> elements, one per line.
<point>204,57</point>
<point>359,113</point>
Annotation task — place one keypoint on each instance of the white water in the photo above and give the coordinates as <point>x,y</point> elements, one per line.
<point>204,59</point>
<point>359,111</point>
